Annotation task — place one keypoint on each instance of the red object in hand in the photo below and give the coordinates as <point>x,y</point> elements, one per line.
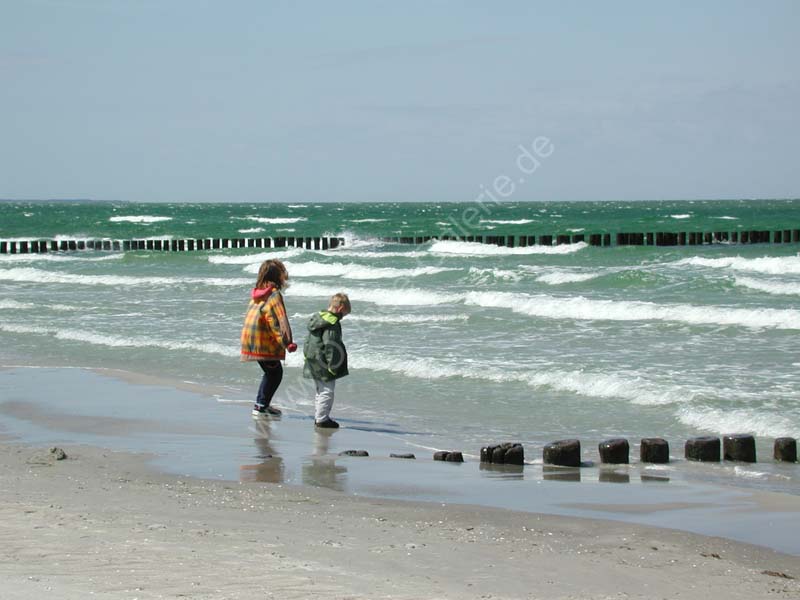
<point>291,347</point>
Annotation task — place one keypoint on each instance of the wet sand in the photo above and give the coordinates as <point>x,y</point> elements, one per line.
<point>272,510</point>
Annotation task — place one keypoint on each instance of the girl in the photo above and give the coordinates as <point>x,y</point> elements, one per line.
<point>266,334</point>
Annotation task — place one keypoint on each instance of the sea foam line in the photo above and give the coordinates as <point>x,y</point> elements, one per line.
<point>596,385</point>
<point>17,258</point>
<point>476,249</point>
<point>386,296</point>
<point>721,421</point>
<point>353,271</point>
<point>277,220</point>
<point>770,287</point>
<point>580,308</point>
<point>31,275</point>
<point>768,265</point>
<point>146,219</point>
<point>114,341</point>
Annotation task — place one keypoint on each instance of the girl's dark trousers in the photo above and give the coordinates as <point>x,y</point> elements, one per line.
<point>273,374</point>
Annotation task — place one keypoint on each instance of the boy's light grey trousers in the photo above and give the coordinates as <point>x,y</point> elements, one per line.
<point>323,401</point>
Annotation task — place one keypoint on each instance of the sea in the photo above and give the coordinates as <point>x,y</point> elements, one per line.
<point>452,344</point>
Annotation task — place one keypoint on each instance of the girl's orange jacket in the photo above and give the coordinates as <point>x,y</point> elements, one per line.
<point>266,331</point>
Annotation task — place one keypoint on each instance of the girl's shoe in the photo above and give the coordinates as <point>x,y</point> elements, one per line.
<point>326,424</point>
<point>263,411</point>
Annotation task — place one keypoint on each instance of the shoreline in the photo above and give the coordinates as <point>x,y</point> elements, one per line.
<point>189,434</point>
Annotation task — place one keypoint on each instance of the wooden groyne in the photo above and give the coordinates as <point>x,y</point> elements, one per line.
<point>691,238</point>
<point>167,245</point>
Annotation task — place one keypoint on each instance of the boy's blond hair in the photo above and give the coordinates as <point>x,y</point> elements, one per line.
<point>340,301</point>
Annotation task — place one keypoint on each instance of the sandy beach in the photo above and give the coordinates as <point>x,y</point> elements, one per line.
<point>109,522</point>
<point>103,523</point>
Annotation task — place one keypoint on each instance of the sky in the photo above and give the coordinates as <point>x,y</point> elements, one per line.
<point>260,101</point>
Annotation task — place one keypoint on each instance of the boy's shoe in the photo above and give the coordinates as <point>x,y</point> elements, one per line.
<point>326,424</point>
<point>263,411</point>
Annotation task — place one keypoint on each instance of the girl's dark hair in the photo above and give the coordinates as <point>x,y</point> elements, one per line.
<point>272,271</point>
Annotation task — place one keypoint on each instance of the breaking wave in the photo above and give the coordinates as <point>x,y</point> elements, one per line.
<point>38,276</point>
<point>768,265</point>
<point>770,287</point>
<point>139,219</point>
<point>475,249</point>
<point>580,308</point>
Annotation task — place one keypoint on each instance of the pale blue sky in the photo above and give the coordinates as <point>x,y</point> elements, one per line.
<point>173,100</point>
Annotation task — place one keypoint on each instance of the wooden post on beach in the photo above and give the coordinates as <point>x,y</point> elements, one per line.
<point>740,447</point>
<point>564,453</point>
<point>503,454</point>
<point>654,450</point>
<point>704,449</point>
<point>795,235</point>
<point>577,238</point>
<point>595,239</point>
<point>785,449</point>
<point>545,240</point>
<point>614,451</point>
<point>606,239</point>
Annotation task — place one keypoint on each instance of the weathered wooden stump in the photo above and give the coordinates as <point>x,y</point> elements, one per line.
<point>785,449</point>
<point>654,450</point>
<point>564,453</point>
<point>740,447</point>
<point>503,454</point>
<point>354,453</point>
<point>404,455</point>
<point>448,456</point>
<point>614,451</point>
<point>703,449</point>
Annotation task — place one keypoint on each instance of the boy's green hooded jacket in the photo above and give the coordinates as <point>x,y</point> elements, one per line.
<point>324,351</point>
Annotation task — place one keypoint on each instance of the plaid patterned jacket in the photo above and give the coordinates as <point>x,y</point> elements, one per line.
<point>266,327</point>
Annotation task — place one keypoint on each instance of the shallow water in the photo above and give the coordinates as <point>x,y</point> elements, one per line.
<point>458,344</point>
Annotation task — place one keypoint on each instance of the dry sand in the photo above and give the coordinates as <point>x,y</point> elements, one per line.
<point>104,524</point>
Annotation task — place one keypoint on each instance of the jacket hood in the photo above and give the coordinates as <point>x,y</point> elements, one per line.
<point>259,294</point>
<point>321,320</point>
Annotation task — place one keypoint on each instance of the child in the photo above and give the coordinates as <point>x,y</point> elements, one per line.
<point>266,334</point>
<point>326,356</point>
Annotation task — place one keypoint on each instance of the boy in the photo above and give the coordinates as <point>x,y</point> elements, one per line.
<point>326,357</point>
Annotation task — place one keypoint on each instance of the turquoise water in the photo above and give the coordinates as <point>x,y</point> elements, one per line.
<point>453,345</point>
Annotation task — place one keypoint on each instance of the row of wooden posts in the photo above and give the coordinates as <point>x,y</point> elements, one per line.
<point>662,238</point>
<point>167,245</point>
<point>692,238</point>
<point>567,453</point>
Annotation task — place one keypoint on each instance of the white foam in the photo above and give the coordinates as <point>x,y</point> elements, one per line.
<point>277,220</point>
<point>38,276</point>
<point>768,265</point>
<point>139,219</point>
<point>297,206</point>
<point>580,308</point>
<point>596,385</point>
<point>252,230</point>
<point>353,271</point>
<point>489,275</point>
<point>475,249</point>
<point>368,220</point>
<point>771,287</point>
<point>15,305</point>
<point>680,217</point>
<point>560,277</point>
<point>114,341</point>
<point>406,319</point>
<point>50,257</point>
<point>726,218</point>
<point>722,421</point>
<point>508,222</point>
<point>249,259</point>
<point>402,296</point>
